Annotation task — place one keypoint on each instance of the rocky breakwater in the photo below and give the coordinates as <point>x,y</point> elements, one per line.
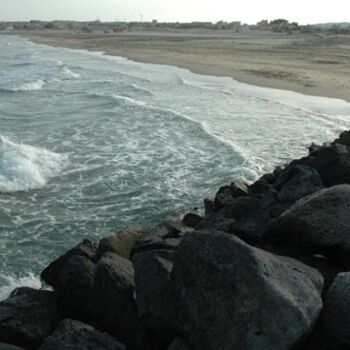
<point>266,267</point>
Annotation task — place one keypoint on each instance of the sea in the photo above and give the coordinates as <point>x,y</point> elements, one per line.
<point>91,144</point>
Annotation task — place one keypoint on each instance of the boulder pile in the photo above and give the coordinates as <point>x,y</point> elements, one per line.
<point>266,267</point>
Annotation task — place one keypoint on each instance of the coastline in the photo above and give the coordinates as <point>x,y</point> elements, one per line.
<point>314,66</point>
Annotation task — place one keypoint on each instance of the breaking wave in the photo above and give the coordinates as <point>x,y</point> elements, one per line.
<point>24,167</point>
<point>30,86</point>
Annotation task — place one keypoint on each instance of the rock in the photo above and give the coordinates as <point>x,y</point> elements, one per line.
<point>153,242</point>
<point>336,314</point>
<point>4,346</point>
<point>85,248</point>
<point>332,163</point>
<point>112,301</point>
<point>320,222</point>
<point>74,335</point>
<point>209,206</point>
<point>178,344</point>
<point>234,296</point>
<point>343,139</point>
<point>154,292</point>
<point>296,182</point>
<point>192,220</point>
<point>227,194</point>
<point>250,217</point>
<point>122,243</point>
<point>27,317</point>
<point>73,287</point>
<point>263,184</point>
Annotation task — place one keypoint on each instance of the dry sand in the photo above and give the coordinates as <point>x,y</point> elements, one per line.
<point>313,65</point>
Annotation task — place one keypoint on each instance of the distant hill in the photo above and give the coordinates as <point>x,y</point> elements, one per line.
<point>333,24</point>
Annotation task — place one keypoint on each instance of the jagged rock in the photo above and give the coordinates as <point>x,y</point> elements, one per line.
<point>154,292</point>
<point>73,287</point>
<point>227,194</point>
<point>178,344</point>
<point>320,222</point>
<point>336,314</point>
<point>250,217</point>
<point>296,182</point>
<point>4,346</point>
<point>112,301</point>
<point>154,242</point>
<point>234,296</point>
<point>27,317</point>
<point>74,335</point>
<point>343,139</point>
<point>85,248</point>
<point>122,243</point>
<point>192,219</point>
<point>332,163</point>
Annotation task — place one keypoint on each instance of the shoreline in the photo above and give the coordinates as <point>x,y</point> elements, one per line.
<point>294,74</point>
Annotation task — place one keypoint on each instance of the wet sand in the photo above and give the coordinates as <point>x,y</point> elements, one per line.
<point>309,64</point>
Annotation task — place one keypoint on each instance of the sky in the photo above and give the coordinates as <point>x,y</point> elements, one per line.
<point>248,11</point>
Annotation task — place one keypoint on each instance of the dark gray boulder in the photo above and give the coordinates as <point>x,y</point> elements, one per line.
<point>73,287</point>
<point>332,163</point>
<point>121,244</point>
<point>320,222</point>
<point>336,314</point>
<point>250,217</point>
<point>227,194</point>
<point>74,335</point>
<point>234,296</point>
<point>192,219</point>
<point>51,272</point>
<point>344,138</point>
<point>178,344</point>
<point>4,346</point>
<point>296,182</point>
<point>27,317</point>
<point>155,297</point>
<point>112,303</point>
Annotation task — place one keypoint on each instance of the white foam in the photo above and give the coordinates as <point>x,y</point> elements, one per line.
<point>130,100</point>
<point>70,74</point>
<point>30,86</point>
<point>24,167</point>
<point>9,283</point>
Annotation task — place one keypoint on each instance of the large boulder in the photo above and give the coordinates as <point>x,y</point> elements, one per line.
<point>73,287</point>
<point>122,243</point>
<point>50,274</point>
<point>296,182</point>
<point>155,297</point>
<point>178,344</point>
<point>233,296</point>
<point>27,317</point>
<point>336,314</point>
<point>332,163</point>
<point>112,303</point>
<point>250,217</point>
<point>320,222</point>
<point>4,346</point>
<point>74,335</point>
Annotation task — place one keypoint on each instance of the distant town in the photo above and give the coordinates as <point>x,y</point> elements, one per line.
<point>278,25</point>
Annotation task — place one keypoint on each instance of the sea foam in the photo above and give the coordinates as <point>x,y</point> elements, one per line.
<point>30,86</point>
<point>9,283</point>
<point>24,167</point>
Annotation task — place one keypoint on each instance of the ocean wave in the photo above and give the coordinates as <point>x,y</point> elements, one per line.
<point>9,283</point>
<point>24,167</point>
<point>30,86</point>
<point>70,74</point>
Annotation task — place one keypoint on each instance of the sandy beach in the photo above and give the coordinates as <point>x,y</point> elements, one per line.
<point>310,64</point>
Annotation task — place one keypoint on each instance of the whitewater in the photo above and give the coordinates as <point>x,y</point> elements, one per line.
<point>90,144</point>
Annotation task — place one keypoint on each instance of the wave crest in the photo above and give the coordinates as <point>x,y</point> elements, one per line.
<point>30,86</point>
<point>9,283</point>
<point>70,74</point>
<point>24,167</point>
